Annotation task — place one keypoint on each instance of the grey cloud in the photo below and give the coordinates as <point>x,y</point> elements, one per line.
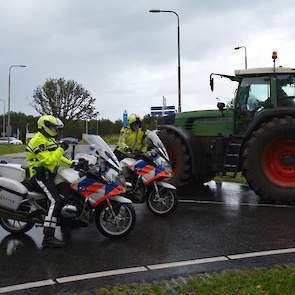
<point>123,54</point>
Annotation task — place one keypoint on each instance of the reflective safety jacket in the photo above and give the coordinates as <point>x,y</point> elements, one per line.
<point>44,152</point>
<point>134,140</point>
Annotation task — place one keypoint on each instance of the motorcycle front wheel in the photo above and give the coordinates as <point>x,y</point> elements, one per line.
<point>117,222</point>
<point>163,203</point>
<point>15,226</point>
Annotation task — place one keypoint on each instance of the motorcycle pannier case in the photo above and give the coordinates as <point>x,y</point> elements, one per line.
<point>11,193</point>
<point>13,171</point>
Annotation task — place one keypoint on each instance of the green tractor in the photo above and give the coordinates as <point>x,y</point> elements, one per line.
<point>255,134</point>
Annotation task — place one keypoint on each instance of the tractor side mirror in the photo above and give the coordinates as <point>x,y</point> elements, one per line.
<point>221,106</point>
<point>212,83</point>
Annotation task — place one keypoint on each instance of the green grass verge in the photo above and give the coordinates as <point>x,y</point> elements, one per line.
<point>279,280</point>
<point>229,178</point>
<point>11,148</point>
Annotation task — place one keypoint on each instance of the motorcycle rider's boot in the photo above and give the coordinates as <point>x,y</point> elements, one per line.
<point>50,241</point>
<point>83,219</point>
<point>137,196</point>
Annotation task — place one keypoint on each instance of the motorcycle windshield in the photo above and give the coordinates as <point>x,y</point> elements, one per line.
<point>157,143</point>
<point>102,149</point>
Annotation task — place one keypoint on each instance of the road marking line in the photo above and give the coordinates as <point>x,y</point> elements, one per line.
<point>129,270</point>
<point>27,286</point>
<point>101,274</point>
<point>235,204</point>
<point>261,253</point>
<point>187,262</point>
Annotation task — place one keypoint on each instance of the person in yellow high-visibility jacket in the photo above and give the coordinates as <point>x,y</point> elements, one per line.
<point>44,156</point>
<point>132,139</point>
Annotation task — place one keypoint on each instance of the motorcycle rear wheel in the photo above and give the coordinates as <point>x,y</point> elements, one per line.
<point>164,204</point>
<point>117,226</point>
<point>15,226</point>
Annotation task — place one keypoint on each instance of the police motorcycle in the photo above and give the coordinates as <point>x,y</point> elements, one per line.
<point>148,173</point>
<point>93,190</point>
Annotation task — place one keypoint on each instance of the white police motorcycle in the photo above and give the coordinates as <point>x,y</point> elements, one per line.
<point>95,191</point>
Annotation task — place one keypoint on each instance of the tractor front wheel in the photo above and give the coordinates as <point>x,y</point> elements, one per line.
<point>269,160</point>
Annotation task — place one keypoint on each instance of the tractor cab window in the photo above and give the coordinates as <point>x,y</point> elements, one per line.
<point>253,95</point>
<point>286,90</point>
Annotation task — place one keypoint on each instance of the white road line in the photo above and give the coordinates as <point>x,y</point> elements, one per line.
<point>101,274</point>
<point>261,253</point>
<point>235,204</point>
<point>26,286</point>
<point>187,262</point>
<point>129,270</point>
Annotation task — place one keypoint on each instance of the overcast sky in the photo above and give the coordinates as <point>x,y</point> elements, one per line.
<point>127,57</point>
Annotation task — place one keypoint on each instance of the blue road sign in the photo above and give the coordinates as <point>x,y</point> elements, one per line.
<point>156,108</point>
<point>170,107</point>
<point>169,112</point>
<point>156,113</point>
<point>160,108</point>
<point>125,119</point>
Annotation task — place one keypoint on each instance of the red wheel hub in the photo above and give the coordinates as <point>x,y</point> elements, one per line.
<point>279,162</point>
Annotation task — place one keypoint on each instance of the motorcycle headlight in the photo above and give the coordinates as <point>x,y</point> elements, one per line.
<point>153,153</point>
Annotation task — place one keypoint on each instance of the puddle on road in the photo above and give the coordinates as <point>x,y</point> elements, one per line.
<point>228,193</point>
<point>13,244</point>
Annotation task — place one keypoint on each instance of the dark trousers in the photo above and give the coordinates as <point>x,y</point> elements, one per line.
<point>45,183</point>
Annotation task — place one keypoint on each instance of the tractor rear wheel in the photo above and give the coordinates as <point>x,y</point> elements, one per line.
<point>179,156</point>
<point>269,160</point>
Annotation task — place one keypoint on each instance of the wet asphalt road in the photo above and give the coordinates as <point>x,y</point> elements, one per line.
<point>215,220</point>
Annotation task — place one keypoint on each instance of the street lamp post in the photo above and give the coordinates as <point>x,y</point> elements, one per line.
<point>239,47</point>
<point>8,111</point>
<point>3,115</point>
<point>178,50</point>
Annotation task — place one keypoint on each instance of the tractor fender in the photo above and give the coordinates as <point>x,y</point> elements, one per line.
<point>263,116</point>
<point>187,138</point>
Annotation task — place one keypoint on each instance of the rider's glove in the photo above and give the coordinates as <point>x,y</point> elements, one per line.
<point>127,150</point>
<point>82,164</point>
<point>64,145</point>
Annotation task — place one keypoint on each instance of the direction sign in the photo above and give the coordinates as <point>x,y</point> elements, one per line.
<point>156,108</point>
<point>169,112</point>
<point>157,113</point>
<point>160,108</point>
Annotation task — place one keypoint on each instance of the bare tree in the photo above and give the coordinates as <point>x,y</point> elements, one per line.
<point>67,100</point>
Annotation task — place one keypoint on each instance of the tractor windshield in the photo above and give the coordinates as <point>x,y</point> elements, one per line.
<point>253,95</point>
<point>252,92</point>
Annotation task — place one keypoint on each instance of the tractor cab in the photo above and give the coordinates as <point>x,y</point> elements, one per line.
<point>260,89</point>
